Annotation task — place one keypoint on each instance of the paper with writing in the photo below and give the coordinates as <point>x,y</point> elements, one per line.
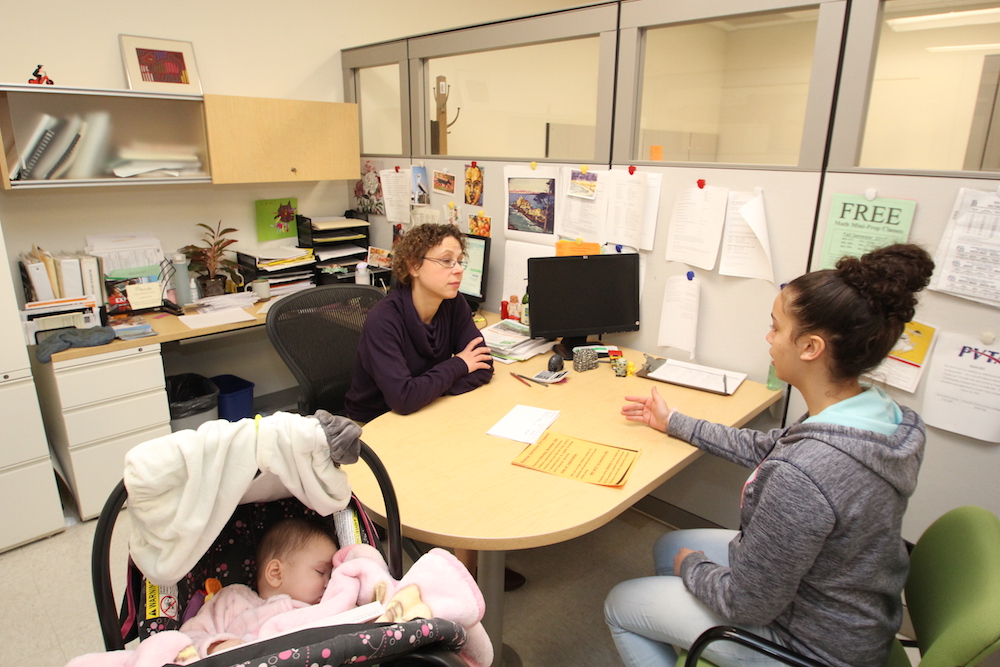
<point>583,460</point>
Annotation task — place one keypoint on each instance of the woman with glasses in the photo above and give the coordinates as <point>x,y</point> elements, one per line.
<point>420,341</point>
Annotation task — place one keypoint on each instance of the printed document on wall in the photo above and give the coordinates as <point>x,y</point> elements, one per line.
<point>396,193</point>
<point>515,265</point>
<point>679,315</point>
<point>963,387</point>
<point>906,361</point>
<point>857,225</point>
<point>626,206</point>
<point>968,257</point>
<point>583,204</point>
<point>746,250</point>
<point>696,226</point>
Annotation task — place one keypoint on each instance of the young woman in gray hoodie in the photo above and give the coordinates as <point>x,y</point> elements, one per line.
<point>819,563</point>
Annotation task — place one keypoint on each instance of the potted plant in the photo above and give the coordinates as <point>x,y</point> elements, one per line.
<point>210,262</point>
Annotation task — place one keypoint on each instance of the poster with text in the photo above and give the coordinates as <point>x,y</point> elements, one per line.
<point>858,225</point>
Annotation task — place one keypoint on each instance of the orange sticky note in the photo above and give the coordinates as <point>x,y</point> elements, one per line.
<point>567,248</point>
<point>656,153</point>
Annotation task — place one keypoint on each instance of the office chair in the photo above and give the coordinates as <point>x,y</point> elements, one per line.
<point>952,593</point>
<point>316,333</point>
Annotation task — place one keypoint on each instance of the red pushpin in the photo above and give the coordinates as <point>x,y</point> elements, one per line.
<point>701,183</point>
<point>631,170</point>
<point>473,164</point>
<point>397,168</point>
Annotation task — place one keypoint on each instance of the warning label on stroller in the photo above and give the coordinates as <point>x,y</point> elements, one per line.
<point>161,601</point>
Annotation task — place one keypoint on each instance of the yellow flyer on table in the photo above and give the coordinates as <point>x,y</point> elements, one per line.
<point>586,461</point>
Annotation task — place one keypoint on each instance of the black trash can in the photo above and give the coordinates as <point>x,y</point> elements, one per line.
<point>193,398</point>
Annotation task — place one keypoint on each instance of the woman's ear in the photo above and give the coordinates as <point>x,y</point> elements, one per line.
<point>811,347</point>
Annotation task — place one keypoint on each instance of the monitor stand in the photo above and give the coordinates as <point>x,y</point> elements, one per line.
<point>564,348</point>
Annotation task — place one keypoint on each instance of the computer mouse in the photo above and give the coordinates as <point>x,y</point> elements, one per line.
<point>555,363</point>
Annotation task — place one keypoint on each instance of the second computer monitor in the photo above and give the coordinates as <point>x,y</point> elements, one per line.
<point>477,252</point>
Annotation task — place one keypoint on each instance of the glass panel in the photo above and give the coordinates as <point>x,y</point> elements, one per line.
<point>931,63</point>
<point>526,101</point>
<point>380,110</point>
<point>731,91</point>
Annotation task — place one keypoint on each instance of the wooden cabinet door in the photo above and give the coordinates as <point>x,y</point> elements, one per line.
<point>256,140</point>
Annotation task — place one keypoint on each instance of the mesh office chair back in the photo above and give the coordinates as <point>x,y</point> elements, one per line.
<point>316,333</point>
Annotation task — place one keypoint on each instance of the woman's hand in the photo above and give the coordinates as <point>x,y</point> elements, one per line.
<point>651,410</point>
<point>475,355</point>
<point>681,555</point>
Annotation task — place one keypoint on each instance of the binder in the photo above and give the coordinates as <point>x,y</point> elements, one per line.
<point>50,268</point>
<point>68,274</point>
<point>37,286</point>
<point>90,274</point>
<point>36,145</point>
<point>66,134</point>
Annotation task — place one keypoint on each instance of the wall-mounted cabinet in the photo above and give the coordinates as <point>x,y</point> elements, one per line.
<point>255,140</point>
<point>59,137</point>
<point>66,137</point>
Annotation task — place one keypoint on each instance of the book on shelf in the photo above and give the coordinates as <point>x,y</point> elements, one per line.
<point>40,139</point>
<point>91,275</point>
<point>66,136</point>
<point>69,276</point>
<point>90,158</point>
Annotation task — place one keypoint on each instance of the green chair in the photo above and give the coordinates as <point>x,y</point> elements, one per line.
<point>952,593</point>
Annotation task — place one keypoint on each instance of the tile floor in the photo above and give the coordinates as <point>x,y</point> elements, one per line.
<point>47,611</point>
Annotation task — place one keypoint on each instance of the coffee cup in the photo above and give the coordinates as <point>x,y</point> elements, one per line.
<point>261,288</point>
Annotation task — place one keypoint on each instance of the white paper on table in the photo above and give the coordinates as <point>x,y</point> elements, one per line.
<point>524,424</point>
<point>229,316</point>
<point>679,316</point>
<point>967,263</point>
<point>963,387</point>
<point>746,250</point>
<point>578,217</point>
<point>696,226</point>
<point>396,193</point>
<point>515,265</point>
<point>512,175</point>
<point>626,207</point>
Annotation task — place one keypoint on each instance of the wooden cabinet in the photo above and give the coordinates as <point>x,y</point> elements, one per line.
<point>106,135</point>
<point>95,409</point>
<point>254,140</point>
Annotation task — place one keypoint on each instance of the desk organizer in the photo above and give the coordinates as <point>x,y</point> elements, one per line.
<point>235,397</point>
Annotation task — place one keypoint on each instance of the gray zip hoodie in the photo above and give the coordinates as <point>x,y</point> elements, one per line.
<point>820,557</point>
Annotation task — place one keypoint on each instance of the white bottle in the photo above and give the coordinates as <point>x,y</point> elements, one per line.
<point>361,274</point>
<point>182,281</point>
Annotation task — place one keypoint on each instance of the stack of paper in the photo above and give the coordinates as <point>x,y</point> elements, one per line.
<point>511,341</point>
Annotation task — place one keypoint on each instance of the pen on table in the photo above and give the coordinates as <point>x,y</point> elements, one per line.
<point>525,377</point>
<point>520,378</point>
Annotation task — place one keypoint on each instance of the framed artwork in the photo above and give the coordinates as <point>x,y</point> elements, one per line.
<point>160,65</point>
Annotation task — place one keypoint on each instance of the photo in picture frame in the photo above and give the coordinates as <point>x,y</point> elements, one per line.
<point>160,65</point>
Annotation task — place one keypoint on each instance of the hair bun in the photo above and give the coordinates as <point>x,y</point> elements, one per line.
<point>889,278</point>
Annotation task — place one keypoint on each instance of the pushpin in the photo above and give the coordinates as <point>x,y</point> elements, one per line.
<point>988,337</point>
<point>397,168</point>
<point>481,214</point>
<point>870,194</point>
<point>690,275</point>
<point>618,247</point>
<point>583,169</point>
<point>451,204</point>
<point>533,165</point>
<point>579,240</point>
<point>701,182</point>
<point>631,170</point>
<point>473,164</point>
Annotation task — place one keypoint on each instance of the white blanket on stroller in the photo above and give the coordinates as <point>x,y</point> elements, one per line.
<point>184,487</point>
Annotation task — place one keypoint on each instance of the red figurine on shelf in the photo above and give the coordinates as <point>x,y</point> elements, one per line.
<point>41,77</point>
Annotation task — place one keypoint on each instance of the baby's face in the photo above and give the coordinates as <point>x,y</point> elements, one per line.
<point>306,573</point>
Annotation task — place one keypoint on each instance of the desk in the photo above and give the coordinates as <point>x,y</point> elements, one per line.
<point>457,487</point>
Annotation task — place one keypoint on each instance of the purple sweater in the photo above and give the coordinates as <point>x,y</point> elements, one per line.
<point>403,364</point>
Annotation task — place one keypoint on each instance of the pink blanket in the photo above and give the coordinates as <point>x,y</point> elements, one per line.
<point>437,585</point>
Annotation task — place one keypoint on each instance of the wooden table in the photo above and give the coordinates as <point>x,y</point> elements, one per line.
<point>457,487</point>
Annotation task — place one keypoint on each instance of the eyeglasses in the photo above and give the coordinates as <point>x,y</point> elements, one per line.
<point>448,263</point>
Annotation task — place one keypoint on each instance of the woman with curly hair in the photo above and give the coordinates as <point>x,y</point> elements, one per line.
<point>419,342</point>
<point>819,562</point>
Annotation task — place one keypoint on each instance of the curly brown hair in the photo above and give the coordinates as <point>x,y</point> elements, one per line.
<point>409,251</point>
<point>862,305</point>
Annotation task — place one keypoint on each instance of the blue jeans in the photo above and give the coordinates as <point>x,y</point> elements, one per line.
<point>648,617</point>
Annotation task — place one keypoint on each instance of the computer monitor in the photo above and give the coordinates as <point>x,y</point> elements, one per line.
<point>473,287</point>
<point>587,295</point>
